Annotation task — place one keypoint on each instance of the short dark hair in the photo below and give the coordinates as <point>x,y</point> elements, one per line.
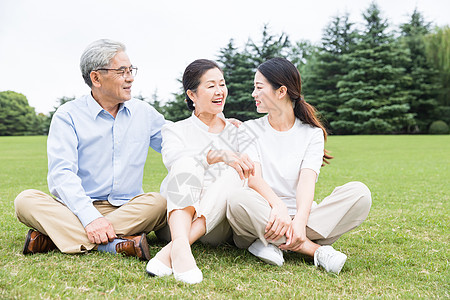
<point>192,74</point>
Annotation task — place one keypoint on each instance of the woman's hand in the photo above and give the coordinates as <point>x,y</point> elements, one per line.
<point>295,236</point>
<point>235,122</point>
<point>279,222</point>
<point>240,162</point>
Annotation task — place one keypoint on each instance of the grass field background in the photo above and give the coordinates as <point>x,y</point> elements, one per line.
<point>400,251</point>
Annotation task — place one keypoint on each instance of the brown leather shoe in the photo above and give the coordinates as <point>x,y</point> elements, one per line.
<point>37,242</point>
<point>135,245</point>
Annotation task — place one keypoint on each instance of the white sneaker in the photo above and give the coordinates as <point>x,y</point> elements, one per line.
<point>330,259</point>
<point>270,254</point>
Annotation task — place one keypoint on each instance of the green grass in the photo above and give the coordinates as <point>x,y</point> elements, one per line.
<point>400,251</point>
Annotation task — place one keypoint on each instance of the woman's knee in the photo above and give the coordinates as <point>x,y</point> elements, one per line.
<point>362,195</point>
<point>237,199</point>
<point>185,163</point>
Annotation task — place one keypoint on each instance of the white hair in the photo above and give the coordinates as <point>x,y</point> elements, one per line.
<point>98,55</point>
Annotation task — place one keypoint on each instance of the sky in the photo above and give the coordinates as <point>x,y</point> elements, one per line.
<point>41,41</point>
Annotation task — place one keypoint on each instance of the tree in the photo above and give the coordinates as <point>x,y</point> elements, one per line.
<point>301,53</point>
<point>438,53</point>
<point>153,101</point>
<point>424,84</point>
<point>373,92</point>
<point>239,71</point>
<point>17,117</point>
<point>270,46</point>
<point>60,101</point>
<point>326,66</point>
<point>156,102</point>
<point>177,109</point>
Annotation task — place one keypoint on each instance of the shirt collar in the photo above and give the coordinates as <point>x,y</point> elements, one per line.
<point>198,122</point>
<point>202,125</point>
<point>95,109</point>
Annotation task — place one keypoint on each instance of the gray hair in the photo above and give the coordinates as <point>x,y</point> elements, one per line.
<point>98,55</point>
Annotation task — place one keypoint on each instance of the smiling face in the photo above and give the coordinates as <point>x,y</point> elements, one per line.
<point>114,88</point>
<point>264,94</point>
<point>209,97</point>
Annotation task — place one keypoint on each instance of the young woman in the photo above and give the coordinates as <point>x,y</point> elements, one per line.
<point>287,145</point>
<point>204,168</point>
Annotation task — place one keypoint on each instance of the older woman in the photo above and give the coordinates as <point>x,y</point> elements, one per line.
<point>204,168</point>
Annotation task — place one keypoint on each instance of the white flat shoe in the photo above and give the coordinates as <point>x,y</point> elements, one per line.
<point>192,276</point>
<point>156,268</point>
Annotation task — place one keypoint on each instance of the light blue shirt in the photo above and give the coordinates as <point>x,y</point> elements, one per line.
<point>94,156</point>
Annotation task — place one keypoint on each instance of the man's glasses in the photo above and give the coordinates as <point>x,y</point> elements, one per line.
<point>123,71</point>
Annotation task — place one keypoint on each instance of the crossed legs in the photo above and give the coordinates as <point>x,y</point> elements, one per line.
<point>177,253</point>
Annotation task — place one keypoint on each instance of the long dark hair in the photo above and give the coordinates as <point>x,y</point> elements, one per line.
<point>192,74</point>
<point>281,72</point>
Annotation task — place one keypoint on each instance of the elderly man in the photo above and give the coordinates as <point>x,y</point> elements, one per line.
<point>97,147</point>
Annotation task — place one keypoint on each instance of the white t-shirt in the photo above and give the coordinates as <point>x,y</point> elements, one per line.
<point>190,138</point>
<point>282,154</point>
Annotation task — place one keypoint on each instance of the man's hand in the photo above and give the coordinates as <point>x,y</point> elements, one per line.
<point>295,236</point>
<point>279,223</point>
<point>100,231</point>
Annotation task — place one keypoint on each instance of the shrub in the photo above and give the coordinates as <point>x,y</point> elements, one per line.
<point>438,127</point>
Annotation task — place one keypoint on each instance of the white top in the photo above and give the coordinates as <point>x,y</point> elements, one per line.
<point>282,154</point>
<point>190,138</point>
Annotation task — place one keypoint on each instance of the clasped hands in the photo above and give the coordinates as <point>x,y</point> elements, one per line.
<point>241,162</point>
<point>280,224</point>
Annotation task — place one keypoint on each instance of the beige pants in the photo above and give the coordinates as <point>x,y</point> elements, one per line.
<point>346,208</point>
<point>185,188</point>
<point>40,211</point>
<point>220,234</point>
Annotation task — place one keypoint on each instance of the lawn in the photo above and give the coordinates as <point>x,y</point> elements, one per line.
<point>401,251</point>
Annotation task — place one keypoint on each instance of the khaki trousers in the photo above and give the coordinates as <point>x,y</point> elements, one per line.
<point>346,208</point>
<point>40,211</point>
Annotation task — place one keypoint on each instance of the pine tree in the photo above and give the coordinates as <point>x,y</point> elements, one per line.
<point>301,53</point>
<point>327,66</point>
<point>438,53</point>
<point>270,46</point>
<point>239,70</point>
<point>373,92</point>
<point>238,73</point>
<point>176,109</point>
<point>424,84</point>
